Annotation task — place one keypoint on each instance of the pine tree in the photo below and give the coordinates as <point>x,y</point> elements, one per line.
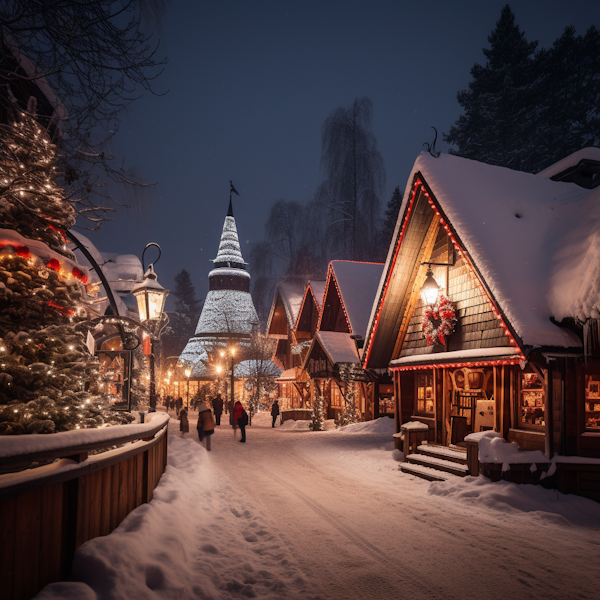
<point>567,114</point>
<point>498,106</point>
<point>527,112</point>
<point>182,321</point>
<point>391,216</point>
<point>185,292</point>
<point>48,380</point>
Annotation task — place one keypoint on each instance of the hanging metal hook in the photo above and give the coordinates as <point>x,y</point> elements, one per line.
<point>431,147</point>
<point>144,252</point>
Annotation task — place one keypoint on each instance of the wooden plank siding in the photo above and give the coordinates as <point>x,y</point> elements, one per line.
<point>476,327</point>
<point>40,529</point>
<point>400,282</point>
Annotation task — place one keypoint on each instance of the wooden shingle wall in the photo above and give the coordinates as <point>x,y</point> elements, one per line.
<point>477,327</point>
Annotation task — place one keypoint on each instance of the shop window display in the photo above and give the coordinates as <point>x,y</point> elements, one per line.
<point>336,396</point>
<point>424,393</point>
<point>592,401</point>
<point>532,400</point>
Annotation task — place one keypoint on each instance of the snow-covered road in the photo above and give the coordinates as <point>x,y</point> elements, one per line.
<point>297,514</point>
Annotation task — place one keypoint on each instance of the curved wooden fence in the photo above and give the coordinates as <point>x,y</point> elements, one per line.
<point>47,512</point>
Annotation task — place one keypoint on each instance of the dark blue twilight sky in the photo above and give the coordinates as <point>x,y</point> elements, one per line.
<point>250,83</point>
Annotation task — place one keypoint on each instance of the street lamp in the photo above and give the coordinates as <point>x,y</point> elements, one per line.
<point>188,372</point>
<point>232,350</point>
<point>151,298</point>
<point>430,289</point>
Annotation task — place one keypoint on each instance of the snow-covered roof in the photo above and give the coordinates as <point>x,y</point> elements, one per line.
<point>227,312</point>
<point>571,161</point>
<point>288,375</point>
<point>193,353</point>
<point>122,270</point>
<point>266,368</point>
<point>318,289</point>
<point>535,241</point>
<point>101,307</point>
<point>229,247</point>
<point>227,271</point>
<point>339,347</point>
<point>291,294</point>
<point>357,282</point>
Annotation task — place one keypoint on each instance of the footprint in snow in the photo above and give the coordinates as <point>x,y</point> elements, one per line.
<point>209,549</point>
<point>235,513</point>
<point>155,578</point>
<point>251,538</point>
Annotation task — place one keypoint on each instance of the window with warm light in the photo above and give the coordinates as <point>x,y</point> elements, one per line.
<point>592,402</point>
<point>532,400</point>
<point>424,395</point>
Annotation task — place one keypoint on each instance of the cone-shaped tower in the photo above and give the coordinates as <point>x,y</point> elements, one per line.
<point>228,315</point>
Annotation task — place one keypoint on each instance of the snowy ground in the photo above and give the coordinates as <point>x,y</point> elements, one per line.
<point>328,515</point>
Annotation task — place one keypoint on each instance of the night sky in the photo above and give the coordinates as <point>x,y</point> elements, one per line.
<point>250,83</point>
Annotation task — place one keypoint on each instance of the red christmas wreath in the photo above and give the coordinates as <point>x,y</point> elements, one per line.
<point>439,321</point>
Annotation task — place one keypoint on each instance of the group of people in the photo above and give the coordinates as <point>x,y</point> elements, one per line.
<point>206,423</point>
<point>238,417</point>
<point>171,403</point>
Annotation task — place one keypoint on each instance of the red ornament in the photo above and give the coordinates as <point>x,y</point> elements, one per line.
<point>53,264</point>
<point>80,275</point>
<point>439,321</point>
<point>60,232</point>
<point>22,251</point>
<point>65,312</point>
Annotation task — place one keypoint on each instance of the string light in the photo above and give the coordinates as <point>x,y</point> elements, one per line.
<point>418,185</point>
<point>457,365</point>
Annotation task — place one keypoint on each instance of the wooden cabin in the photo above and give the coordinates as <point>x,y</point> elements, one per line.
<point>509,341</point>
<point>308,316</point>
<point>285,308</point>
<point>337,342</point>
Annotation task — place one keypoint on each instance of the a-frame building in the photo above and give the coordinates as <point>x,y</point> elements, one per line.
<point>502,347</point>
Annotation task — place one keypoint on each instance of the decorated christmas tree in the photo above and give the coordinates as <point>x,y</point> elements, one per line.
<point>317,421</point>
<point>349,414</point>
<point>48,379</point>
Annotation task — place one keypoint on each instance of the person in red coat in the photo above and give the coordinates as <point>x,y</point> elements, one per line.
<point>240,418</point>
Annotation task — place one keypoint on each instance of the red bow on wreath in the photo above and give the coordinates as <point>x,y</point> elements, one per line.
<point>439,321</point>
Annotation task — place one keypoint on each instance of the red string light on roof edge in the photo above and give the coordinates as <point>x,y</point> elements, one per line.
<point>457,365</point>
<point>418,185</point>
<point>478,283</point>
<point>413,195</point>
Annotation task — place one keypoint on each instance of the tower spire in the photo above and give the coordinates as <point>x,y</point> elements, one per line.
<point>230,211</point>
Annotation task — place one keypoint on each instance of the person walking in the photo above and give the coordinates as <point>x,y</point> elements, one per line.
<point>231,410</point>
<point>217,405</point>
<point>178,405</point>
<point>184,423</point>
<point>206,424</point>
<point>172,404</point>
<point>275,412</point>
<point>240,418</point>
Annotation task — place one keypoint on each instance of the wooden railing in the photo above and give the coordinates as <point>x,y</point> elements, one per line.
<point>47,512</point>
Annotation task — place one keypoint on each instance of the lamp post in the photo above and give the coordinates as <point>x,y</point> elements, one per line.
<point>232,350</point>
<point>232,356</point>
<point>151,298</point>
<point>188,372</point>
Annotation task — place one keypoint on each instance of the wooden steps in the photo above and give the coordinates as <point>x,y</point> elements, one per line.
<point>423,472</point>
<point>436,463</point>
<point>444,453</point>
